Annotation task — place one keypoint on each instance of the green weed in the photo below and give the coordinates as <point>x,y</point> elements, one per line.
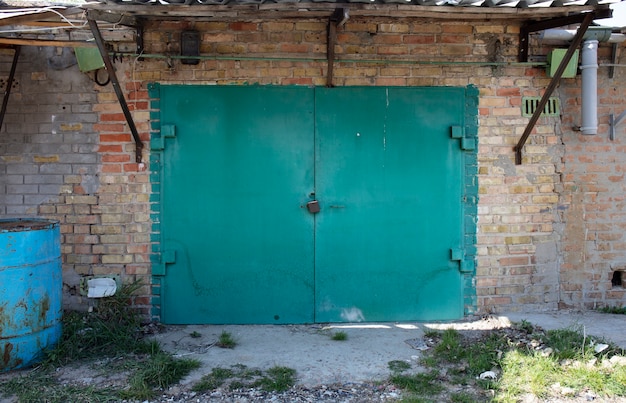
<point>111,330</point>
<point>339,336</point>
<point>277,379</point>
<point>566,359</point>
<point>239,376</point>
<point>614,310</point>
<point>39,386</point>
<point>398,366</point>
<point>462,397</point>
<point>226,340</point>
<point>424,383</point>
<point>214,380</point>
<point>159,370</point>
<point>524,325</point>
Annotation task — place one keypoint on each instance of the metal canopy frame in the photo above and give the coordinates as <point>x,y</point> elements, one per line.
<point>587,18</point>
<point>337,19</point>
<point>116,86</point>
<point>527,29</point>
<point>7,91</point>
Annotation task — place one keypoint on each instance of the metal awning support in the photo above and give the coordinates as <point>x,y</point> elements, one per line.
<point>7,92</point>
<point>525,30</point>
<point>553,83</point>
<point>614,121</point>
<point>337,19</point>
<point>116,86</point>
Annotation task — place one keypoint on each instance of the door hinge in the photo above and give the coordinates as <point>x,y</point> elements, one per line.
<point>458,132</point>
<point>167,257</point>
<point>458,255</point>
<point>158,143</point>
<point>468,144</point>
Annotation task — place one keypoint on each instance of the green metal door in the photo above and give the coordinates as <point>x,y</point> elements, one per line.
<point>234,176</point>
<point>239,164</point>
<point>389,180</point>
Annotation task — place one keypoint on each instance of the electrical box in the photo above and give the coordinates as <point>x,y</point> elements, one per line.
<point>554,60</point>
<point>89,59</point>
<point>190,46</point>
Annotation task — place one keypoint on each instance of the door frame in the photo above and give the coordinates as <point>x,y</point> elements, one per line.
<point>467,136</point>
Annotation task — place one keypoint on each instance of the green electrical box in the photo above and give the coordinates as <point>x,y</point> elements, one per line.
<point>89,59</point>
<point>554,60</point>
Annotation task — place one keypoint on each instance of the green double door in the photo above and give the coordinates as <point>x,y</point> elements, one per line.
<point>245,171</point>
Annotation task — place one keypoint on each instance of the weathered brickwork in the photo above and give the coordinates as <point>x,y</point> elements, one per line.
<point>550,231</point>
<point>592,193</point>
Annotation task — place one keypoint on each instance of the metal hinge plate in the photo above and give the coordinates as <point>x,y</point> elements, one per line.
<point>167,257</point>
<point>158,143</point>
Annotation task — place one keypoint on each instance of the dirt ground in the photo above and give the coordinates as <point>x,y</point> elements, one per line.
<point>354,370</point>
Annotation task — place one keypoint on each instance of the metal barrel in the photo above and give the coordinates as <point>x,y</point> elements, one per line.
<point>31,288</point>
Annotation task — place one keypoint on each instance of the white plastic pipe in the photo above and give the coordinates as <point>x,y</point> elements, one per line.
<point>568,34</point>
<point>589,94</point>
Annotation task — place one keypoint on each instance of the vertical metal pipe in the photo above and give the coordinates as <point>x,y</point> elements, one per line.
<point>589,94</point>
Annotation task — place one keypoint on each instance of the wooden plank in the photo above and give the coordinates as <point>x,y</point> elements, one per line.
<point>41,42</point>
<point>314,10</point>
<point>23,18</point>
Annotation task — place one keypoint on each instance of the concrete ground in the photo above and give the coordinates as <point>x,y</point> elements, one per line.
<point>364,356</point>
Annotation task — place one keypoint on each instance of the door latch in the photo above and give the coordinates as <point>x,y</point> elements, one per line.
<point>313,206</point>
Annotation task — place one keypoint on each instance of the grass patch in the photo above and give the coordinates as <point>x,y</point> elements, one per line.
<point>112,330</point>
<point>339,336</point>
<point>526,360</point>
<point>426,384</point>
<point>462,397</point>
<point>159,370</point>
<point>38,386</point>
<point>276,379</point>
<point>614,310</point>
<point>398,366</point>
<point>226,340</point>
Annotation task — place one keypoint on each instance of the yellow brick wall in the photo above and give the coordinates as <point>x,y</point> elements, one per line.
<point>549,231</point>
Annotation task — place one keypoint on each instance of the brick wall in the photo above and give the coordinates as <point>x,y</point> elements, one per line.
<point>549,230</point>
<point>591,212</point>
<point>65,154</point>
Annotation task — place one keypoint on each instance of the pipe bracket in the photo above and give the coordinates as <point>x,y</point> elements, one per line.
<point>613,122</point>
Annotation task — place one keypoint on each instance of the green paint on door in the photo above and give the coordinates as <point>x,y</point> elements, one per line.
<point>234,178</point>
<point>244,162</point>
<point>389,176</point>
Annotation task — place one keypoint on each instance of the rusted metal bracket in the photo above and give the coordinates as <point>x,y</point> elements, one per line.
<point>337,19</point>
<point>139,28</point>
<point>108,64</point>
<point>525,30</point>
<point>614,52</point>
<point>553,83</point>
<point>7,92</point>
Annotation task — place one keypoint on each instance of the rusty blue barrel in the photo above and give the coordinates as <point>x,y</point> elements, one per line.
<point>30,290</point>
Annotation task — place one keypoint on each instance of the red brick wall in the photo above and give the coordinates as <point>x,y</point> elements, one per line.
<point>550,231</point>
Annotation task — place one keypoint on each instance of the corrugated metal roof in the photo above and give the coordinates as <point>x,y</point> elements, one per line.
<point>436,3</point>
<point>433,3</point>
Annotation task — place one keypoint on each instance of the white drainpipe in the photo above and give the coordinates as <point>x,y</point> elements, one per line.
<point>589,72</point>
<point>589,94</point>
